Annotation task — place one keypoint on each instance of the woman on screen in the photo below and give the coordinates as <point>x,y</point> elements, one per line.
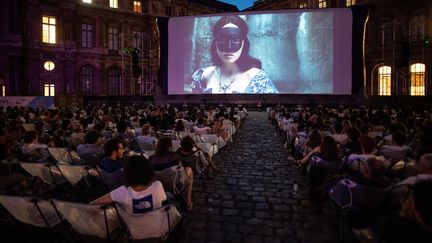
<point>234,70</point>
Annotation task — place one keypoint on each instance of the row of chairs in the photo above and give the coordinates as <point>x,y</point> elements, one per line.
<point>93,220</point>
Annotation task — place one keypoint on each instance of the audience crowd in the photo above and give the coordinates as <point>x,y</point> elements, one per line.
<point>373,163</point>
<point>147,156</point>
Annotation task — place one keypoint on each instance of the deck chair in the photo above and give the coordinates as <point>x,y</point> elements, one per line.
<point>354,167</point>
<point>112,180</point>
<point>65,156</point>
<point>209,148</point>
<point>48,173</point>
<point>75,173</point>
<point>355,203</point>
<point>92,159</point>
<point>85,219</point>
<point>39,213</point>
<point>149,153</point>
<point>158,223</point>
<point>174,179</point>
<point>212,139</point>
<point>147,146</point>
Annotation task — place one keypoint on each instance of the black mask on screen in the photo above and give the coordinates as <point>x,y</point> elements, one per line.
<point>229,40</point>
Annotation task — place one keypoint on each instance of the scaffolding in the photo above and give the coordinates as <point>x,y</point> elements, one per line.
<point>138,64</point>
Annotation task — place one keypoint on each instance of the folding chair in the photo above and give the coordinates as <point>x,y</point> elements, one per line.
<point>356,203</point>
<point>213,139</point>
<point>31,211</point>
<point>65,156</point>
<point>158,223</point>
<point>35,212</point>
<point>75,173</point>
<point>47,172</point>
<point>174,179</point>
<point>92,159</point>
<point>93,220</point>
<point>112,180</point>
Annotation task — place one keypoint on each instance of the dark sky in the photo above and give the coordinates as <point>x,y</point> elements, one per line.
<point>241,4</point>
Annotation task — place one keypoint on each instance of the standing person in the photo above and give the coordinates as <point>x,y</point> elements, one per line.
<point>234,70</point>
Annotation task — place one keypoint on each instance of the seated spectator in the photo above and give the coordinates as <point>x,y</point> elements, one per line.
<point>355,163</point>
<point>141,193</point>
<point>353,145</point>
<point>59,140</point>
<point>32,149</point>
<point>425,170</point>
<point>366,196</point>
<point>398,150</point>
<point>218,130</point>
<point>11,142</point>
<point>146,141</point>
<point>413,223</point>
<point>374,173</point>
<point>77,136</point>
<point>113,151</point>
<point>313,141</point>
<point>42,129</point>
<point>338,134</point>
<point>201,128</point>
<point>122,131</point>
<point>194,159</point>
<point>323,164</point>
<point>91,148</point>
<point>163,159</point>
<point>105,131</point>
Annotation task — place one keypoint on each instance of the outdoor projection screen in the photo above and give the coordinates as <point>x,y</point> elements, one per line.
<point>301,51</point>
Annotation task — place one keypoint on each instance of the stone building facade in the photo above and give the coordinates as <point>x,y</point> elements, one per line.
<point>73,48</point>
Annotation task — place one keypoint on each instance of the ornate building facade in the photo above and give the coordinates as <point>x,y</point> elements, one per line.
<point>73,48</point>
<point>398,42</point>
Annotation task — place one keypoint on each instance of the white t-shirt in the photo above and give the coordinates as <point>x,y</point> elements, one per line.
<point>139,202</point>
<point>201,130</point>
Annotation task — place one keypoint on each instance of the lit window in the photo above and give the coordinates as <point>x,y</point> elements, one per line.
<point>417,79</point>
<point>137,6</point>
<point>322,3</point>
<point>303,5</point>
<point>113,3</point>
<point>3,86</point>
<point>113,38</point>
<point>49,65</point>
<point>87,80</point>
<point>87,35</point>
<point>49,89</point>
<point>384,80</point>
<point>48,29</point>
<point>350,2</point>
<point>87,1</point>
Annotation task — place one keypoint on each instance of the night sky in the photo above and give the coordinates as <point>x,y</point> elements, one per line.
<point>241,4</point>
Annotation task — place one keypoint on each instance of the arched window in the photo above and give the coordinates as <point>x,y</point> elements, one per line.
<point>322,3</point>
<point>114,76</point>
<point>417,86</point>
<point>2,86</point>
<point>49,89</point>
<point>86,76</point>
<point>350,2</point>
<point>384,80</point>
